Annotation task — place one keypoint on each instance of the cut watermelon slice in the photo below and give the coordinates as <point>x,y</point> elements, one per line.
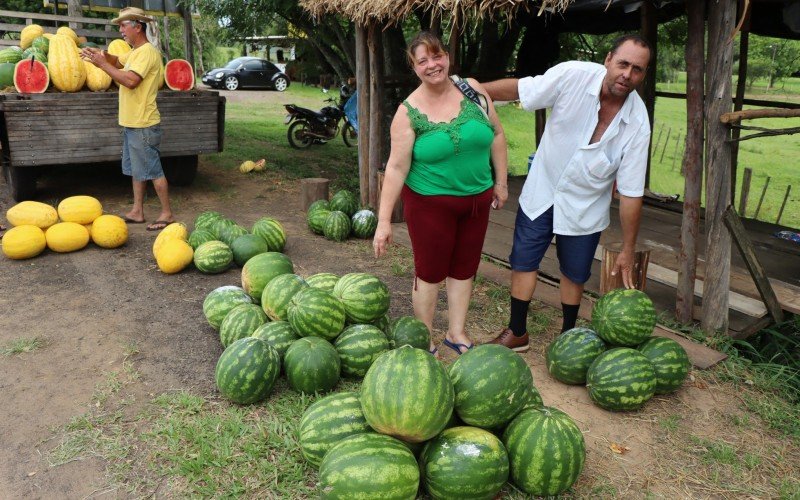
<point>179,74</point>
<point>31,77</point>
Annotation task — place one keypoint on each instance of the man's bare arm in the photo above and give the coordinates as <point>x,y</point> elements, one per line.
<point>503,90</point>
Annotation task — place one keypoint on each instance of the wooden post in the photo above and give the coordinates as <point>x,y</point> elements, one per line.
<point>455,34</point>
<point>313,189</point>
<point>716,286</point>
<point>748,175</point>
<point>610,254</point>
<point>397,212</point>
<point>362,84</point>
<point>783,205</point>
<point>761,200</point>
<point>675,153</point>
<point>649,31</point>
<point>165,29</point>
<point>658,140</point>
<point>186,10</point>
<point>744,43</point>
<point>666,141</point>
<point>375,47</point>
<point>74,9</point>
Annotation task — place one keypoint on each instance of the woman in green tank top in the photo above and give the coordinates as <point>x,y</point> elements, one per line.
<point>448,161</point>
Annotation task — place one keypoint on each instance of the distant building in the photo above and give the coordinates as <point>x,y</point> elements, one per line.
<point>277,49</point>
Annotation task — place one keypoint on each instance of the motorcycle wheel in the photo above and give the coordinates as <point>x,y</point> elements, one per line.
<point>297,135</point>
<point>349,135</point>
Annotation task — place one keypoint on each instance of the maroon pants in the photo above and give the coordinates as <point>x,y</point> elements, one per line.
<point>446,233</point>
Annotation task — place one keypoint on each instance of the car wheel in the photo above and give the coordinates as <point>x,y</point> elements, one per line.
<point>231,83</point>
<point>280,84</point>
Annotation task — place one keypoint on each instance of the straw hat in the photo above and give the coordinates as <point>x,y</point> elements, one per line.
<point>132,14</point>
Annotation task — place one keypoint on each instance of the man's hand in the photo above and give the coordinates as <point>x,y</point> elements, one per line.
<point>624,264</point>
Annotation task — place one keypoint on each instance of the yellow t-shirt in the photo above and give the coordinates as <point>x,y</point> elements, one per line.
<point>137,107</point>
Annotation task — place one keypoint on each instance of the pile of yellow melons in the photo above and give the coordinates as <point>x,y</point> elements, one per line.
<point>171,250</point>
<point>68,228</point>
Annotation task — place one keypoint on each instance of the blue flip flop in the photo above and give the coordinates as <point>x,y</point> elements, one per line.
<point>457,347</point>
<point>434,350</point>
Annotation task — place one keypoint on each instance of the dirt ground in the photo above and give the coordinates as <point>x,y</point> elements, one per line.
<point>97,310</point>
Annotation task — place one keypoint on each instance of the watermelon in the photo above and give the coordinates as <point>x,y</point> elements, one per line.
<point>344,201</point>
<point>328,421</point>
<point>317,219</point>
<point>229,233</point>
<point>546,451</point>
<point>35,54</point>
<point>259,270</point>
<point>247,370</point>
<point>219,225</point>
<point>337,226</point>
<point>273,233</point>
<point>382,323</point>
<point>219,302</point>
<point>621,379</point>
<point>212,257</point>
<point>205,220</point>
<point>369,466</point>
<point>247,246</point>
<point>624,317</point>
<point>10,55</point>
<point>31,77</point>
<point>365,297</point>
<point>491,384</point>
<point>198,237</point>
<point>570,354</point>
<point>408,330</point>
<point>6,75</point>
<point>364,223</point>
<point>464,462</point>
<point>533,399</point>
<point>358,346</point>
<point>312,365</point>
<point>240,322</point>
<point>278,334</point>
<point>670,362</point>
<point>277,294</point>
<point>42,44</point>
<point>407,394</point>
<point>324,204</point>
<point>323,281</point>
<point>179,75</point>
<point>317,313</point>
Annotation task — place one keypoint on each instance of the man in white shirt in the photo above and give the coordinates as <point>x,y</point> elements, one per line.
<point>598,133</point>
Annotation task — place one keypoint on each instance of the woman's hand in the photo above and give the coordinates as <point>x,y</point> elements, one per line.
<point>382,239</point>
<point>500,196</point>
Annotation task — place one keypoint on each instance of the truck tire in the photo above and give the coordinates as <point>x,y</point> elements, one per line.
<point>180,170</point>
<point>21,182</point>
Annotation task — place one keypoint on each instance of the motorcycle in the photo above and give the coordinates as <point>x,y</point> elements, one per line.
<point>307,127</point>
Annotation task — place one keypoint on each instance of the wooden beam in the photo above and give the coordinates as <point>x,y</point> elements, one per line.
<point>750,258</point>
<point>649,31</point>
<point>375,49</point>
<point>362,85</point>
<point>751,114</point>
<point>744,43</point>
<point>187,34</point>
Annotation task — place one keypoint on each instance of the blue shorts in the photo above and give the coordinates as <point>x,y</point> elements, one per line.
<point>140,153</point>
<point>533,237</point>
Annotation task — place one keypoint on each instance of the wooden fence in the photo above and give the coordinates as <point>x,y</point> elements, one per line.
<point>98,28</point>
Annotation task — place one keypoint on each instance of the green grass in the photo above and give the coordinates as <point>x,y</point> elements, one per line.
<point>22,345</point>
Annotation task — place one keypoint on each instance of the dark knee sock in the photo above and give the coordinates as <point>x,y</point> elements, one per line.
<point>570,316</point>
<point>519,316</point>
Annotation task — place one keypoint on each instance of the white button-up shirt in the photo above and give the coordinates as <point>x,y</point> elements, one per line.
<point>568,173</point>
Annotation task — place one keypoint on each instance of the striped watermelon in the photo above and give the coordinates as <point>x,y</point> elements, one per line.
<point>278,334</point>
<point>365,297</point>
<point>205,220</point>
<point>407,394</point>
<point>369,466</point>
<point>546,451</point>
<point>316,220</point>
<point>358,346</point>
<point>277,294</point>
<point>408,330</point>
<point>247,246</point>
<point>319,204</point>
<point>273,233</point>
<point>624,317</point>
<point>247,370</point>
<point>259,270</point>
<point>337,226</point>
<point>198,237</point>
<point>312,365</point>
<point>219,225</point>
<point>571,353</point>
<point>323,281</point>
<point>219,302</point>
<point>315,312</point>
<point>328,421</point>
<point>382,323</point>
<point>621,379</point>
<point>240,322</point>
<point>229,233</point>
<point>464,462</point>
<point>491,384</point>
<point>533,399</point>
<point>364,223</point>
<point>212,257</point>
<point>670,362</point>
<point>344,201</point>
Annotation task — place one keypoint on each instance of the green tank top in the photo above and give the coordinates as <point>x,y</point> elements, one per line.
<point>451,158</point>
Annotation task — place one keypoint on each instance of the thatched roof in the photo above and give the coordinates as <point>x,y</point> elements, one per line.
<point>391,11</point>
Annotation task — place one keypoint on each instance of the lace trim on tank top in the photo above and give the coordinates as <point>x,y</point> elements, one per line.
<point>469,111</point>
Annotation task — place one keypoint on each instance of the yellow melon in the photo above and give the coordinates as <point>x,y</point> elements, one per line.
<point>32,213</point>
<point>23,242</point>
<point>174,256</point>
<point>176,230</point>
<point>96,79</point>
<point>118,47</point>
<point>67,71</point>
<point>69,32</point>
<point>80,209</point>
<point>66,237</point>
<point>109,231</point>
<point>28,34</point>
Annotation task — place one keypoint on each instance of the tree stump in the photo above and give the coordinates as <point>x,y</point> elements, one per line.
<point>313,189</point>
<point>397,213</point>
<point>640,260</point>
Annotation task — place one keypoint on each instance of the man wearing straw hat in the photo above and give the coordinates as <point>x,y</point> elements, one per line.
<point>139,76</point>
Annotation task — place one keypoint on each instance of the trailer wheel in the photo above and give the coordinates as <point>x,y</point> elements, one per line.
<point>21,182</point>
<point>180,170</point>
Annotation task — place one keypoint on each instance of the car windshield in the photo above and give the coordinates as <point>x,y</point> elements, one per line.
<point>233,64</point>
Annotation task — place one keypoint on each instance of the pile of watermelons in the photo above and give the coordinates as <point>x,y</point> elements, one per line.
<point>460,432</point>
<point>340,217</point>
<point>618,359</point>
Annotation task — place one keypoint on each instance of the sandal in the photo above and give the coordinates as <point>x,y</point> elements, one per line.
<point>457,347</point>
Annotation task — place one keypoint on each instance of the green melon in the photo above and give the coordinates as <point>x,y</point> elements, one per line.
<point>34,53</point>
<point>10,55</point>
<point>408,330</point>
<point>316,220</point>
<point>323,281</point>
<point>383,324</point>
<point>198,237</point>
<point>407,394</point>
<point>278,334</point>
<point>344,201</point>
<point>277,294</point>
<point>205,220</point>
<point>219,302</point>
<point>42,44</point>
<point>624,317</point>
<point>546,451</point>
<point>570,354</point>
<point>312,365</point>
<point>337,226</point>
<point>273,233</point>
<point>240,322</point>
<point>219,225</point>
<point>319,204</point>
<point>212,257</point>
<point>6,75</point>
<point>261,269</point>
<point>328,421</point>
<point>491,385</point>
<point>670,362</point>
<point>358,347</point>
<point>364,223</point>
<point>533,399</point>
<point>621,379</point>
<point>247,370</point>
<point>247,246</point>
<point>315,312</point>
<point>229,233</point>
<point>365,296</point>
